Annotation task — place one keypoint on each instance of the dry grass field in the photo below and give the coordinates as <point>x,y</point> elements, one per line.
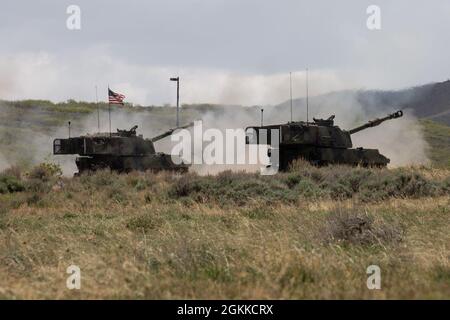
<point>308,233</point>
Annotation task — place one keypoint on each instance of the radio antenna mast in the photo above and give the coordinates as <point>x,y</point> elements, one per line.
<point>290,90</point>
<point>307,97</point>
<point>98,109</point>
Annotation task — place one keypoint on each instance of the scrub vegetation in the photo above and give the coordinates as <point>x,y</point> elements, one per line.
<point>307,233</point>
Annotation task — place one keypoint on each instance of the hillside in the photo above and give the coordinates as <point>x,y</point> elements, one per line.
<point>438,137</point>
<point>27,128</point>
<point>430,101</point>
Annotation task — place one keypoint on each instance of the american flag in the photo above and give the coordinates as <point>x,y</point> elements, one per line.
<point>115,98</point>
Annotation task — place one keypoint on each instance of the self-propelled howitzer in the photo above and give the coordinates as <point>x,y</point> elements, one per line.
<point>121,151</point>
<point>319,142</point>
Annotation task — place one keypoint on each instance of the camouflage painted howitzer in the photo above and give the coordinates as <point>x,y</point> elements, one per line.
<point>320,142</point>
<point>121,151</point>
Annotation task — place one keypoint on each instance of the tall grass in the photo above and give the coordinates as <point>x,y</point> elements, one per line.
<point>307,233</point>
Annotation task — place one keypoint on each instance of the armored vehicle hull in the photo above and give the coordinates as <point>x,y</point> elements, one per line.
<point>325,156</point>
<point>156,162</point>
<point>121,151</point>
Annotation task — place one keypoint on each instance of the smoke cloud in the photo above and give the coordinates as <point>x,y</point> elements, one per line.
<point>42,75</point>
<point>401,139</point>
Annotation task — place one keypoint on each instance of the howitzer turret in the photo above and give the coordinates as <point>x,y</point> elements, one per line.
<point>121,151</point>
<point>320,142</point>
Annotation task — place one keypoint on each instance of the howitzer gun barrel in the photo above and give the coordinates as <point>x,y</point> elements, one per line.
<point>169,132</point>
<point>376,122</point>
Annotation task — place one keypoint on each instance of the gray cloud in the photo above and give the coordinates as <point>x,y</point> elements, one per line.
<point>226,51</point>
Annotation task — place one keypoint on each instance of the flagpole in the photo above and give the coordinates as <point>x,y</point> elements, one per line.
<point>109,111</point>
<point>177,79</point>
<point>178,101</point>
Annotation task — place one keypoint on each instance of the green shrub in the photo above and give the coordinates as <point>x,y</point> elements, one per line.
<point>10,184</point>
<point>38,186</point>
<point>292,179</point>
<point>144,222</point>
<point>338,190</point>
<point>100,178</point>
<point>34,199</point>
<point>359,228</point>
<point>117,193</point>
<point>45,171</point>
<point>185,186</point>
<point>309,189</point>
<point>140,181</point>
<point>398,183</point>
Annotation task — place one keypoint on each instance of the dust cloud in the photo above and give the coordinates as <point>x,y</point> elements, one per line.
<point>401,139</point>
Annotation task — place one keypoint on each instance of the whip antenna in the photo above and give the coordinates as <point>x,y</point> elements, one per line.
<point>290,90</point>
<point>98,109</point>
<point>307,97</point>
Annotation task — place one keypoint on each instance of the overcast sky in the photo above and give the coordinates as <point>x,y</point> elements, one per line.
<point>225,51</point>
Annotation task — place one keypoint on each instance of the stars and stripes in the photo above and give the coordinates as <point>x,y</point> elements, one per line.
<point>115,98</point>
